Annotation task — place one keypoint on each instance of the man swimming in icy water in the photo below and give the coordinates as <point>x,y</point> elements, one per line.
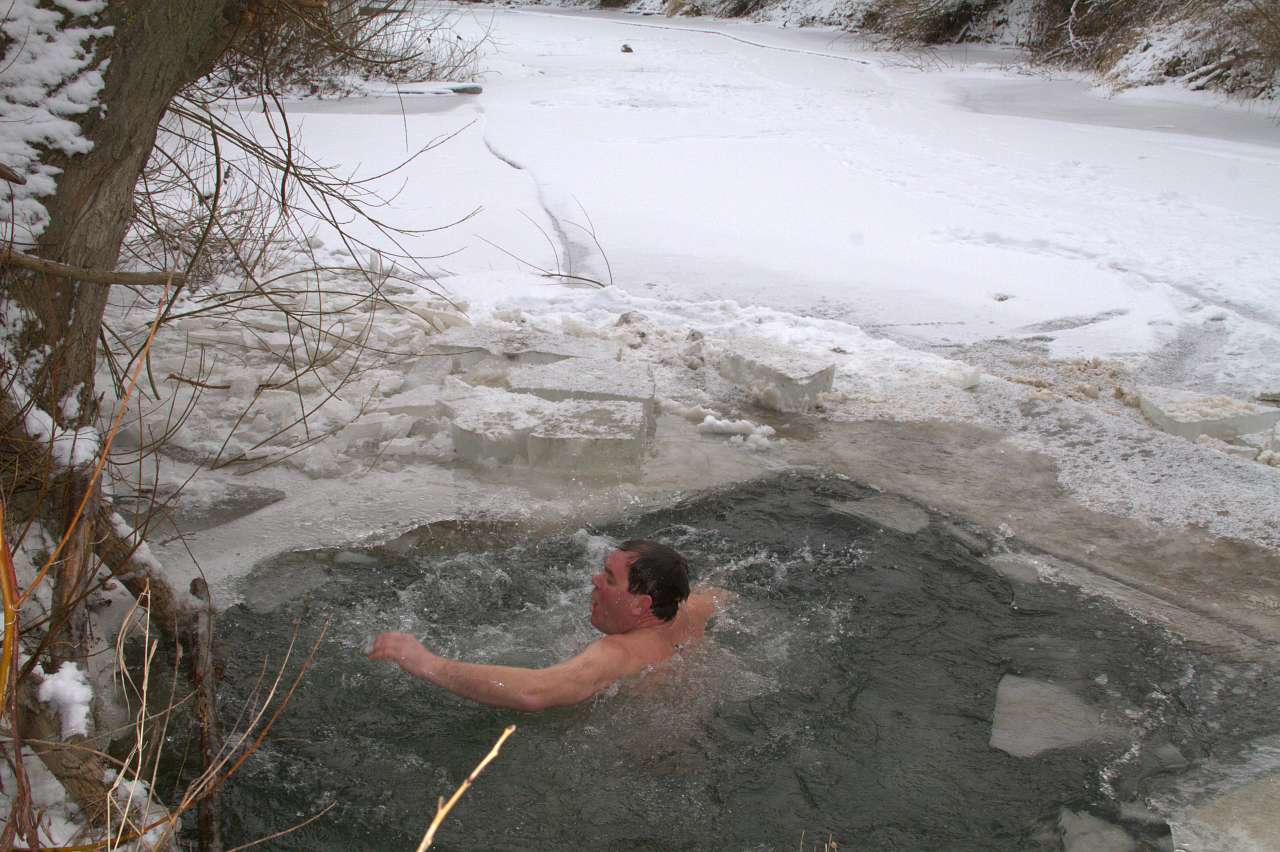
<point>640,600</point>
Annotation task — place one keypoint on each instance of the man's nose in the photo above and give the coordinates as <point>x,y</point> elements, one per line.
<point>596,580</point>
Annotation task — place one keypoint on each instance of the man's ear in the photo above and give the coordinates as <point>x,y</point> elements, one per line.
<point>642,604</point>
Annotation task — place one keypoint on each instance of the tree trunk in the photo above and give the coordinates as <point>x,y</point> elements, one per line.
<point>69,626</point>
<point>158,47</point>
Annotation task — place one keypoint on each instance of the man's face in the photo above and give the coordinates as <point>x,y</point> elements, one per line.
<point>614,609</point>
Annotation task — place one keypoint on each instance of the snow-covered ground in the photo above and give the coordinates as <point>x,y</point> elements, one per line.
<point>784,168</point>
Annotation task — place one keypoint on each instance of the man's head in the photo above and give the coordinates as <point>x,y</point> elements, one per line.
<point>642,583</point>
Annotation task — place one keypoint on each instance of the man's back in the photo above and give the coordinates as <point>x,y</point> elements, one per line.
<point>643,648</point>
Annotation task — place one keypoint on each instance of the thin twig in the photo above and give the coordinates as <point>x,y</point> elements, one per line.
<point>443,807</point>
<point>282,832</point>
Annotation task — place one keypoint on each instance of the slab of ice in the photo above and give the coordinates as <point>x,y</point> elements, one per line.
<point>1242,819</point>
<point>503,426</point>
<point>780,379</point>
<point>1084,832</point>
<point>375,429</point>
<point>207,503</point>
<point>587,378</point>
<point>1262,440</point>
<point>590,435</point>
<point>1015,567</point>
<point>492,424</point>
<point>420,401</point>
<point>1034,716</point>
<point>604,379</point>
<point>1190,415</point>
<point>1241,451</point>
<point>470,346</point>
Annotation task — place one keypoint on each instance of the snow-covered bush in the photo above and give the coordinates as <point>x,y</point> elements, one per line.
<point>1233,46</point>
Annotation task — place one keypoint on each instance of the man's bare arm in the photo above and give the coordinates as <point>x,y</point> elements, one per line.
<point>569,682</point>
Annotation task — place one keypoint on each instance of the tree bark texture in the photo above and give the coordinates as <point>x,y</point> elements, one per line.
<point>158,47</point>
<point>74,764</point>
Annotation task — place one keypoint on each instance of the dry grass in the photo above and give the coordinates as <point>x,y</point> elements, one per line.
<point>915,22</point>
<point>1252,27</point>
<point>443,807</point>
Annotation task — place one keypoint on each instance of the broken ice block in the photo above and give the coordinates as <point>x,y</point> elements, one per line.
<point>586,378</point>
<point>373,429</point>
<point>603,379</point>
<point>590,436</point>
<point>1190,415</point>
<point>780,379</point>
<point>494,424</point>
<point>1240,451</point>
<point>498,425</point>
<point>467,347</point>
<point>1034,716</point>
<point>1083,832</point>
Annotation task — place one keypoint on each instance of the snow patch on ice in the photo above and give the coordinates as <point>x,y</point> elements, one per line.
<point>753,436</point>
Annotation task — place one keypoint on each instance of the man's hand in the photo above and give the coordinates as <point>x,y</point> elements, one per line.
<point>405,651</point>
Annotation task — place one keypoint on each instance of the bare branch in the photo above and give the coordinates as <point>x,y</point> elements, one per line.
<point>90,276</point>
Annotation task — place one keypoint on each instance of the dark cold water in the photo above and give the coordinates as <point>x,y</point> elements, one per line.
<point>848,691</point>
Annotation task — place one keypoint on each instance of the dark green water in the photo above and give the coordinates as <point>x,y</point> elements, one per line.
<point>848,691</point>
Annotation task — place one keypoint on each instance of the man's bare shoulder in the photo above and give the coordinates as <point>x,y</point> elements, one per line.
<point>626,654</point>
<point>706,601</point>
<point>604,660</point>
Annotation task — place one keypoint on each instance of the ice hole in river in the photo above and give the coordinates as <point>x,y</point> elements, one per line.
<point>849,691</point>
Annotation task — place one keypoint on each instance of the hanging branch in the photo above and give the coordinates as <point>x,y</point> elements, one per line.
<point>90,276</point>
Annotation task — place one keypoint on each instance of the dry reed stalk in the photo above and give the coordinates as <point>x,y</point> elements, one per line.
<point>443,807</point>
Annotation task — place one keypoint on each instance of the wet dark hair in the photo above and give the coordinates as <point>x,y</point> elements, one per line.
<point>659,572</point>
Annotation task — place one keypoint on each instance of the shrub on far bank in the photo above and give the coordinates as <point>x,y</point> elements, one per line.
<point>1232,46</point>
<point>1228,45</point>
<point>907,22</point>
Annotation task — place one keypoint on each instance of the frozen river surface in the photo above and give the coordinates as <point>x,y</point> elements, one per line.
<point>949,204</point>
